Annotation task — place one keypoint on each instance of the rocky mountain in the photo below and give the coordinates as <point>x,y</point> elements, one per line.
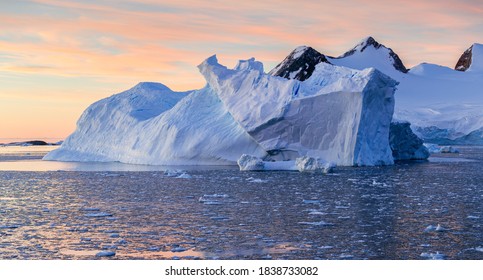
<point>465,60</point>
<point>471,59</point>
<point>299,64</point>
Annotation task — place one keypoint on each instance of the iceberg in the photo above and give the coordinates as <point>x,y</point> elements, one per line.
<point>337,115</point>
<point>406,145</point>
<point>192,129</point>
<point>302,164</point>
<point>309,164</point>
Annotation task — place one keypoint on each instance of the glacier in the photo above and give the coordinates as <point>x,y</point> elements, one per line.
<point>337,115</point>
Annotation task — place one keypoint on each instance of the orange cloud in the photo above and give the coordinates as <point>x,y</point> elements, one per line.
<point>112,45</point>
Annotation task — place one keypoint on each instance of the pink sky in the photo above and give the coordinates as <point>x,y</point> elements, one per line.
<point>59,56</point>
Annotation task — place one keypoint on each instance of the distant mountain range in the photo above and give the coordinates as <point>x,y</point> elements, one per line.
<point>444,105</point>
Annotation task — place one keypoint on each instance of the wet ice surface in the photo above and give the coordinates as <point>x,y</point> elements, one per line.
<point>427,210</point>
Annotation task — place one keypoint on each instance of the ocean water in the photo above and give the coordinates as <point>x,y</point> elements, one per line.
<point>412,210</point>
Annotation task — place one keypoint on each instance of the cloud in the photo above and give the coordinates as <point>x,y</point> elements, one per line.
<point>119,43</point>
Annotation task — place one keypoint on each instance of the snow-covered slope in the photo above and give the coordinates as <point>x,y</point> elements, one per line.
<point>443,105</point>
<point>338,114</point>
<point>370,53</point>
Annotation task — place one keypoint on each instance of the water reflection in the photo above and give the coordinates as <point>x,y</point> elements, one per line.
<point>356,213</point>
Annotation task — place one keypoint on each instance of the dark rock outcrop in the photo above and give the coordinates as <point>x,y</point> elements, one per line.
<point>465,60</point>
<point>299,64</point>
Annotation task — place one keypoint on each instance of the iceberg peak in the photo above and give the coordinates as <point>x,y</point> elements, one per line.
<point>249,64</point>
<point>150,86</point>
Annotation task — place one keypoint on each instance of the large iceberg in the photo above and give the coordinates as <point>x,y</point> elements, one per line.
<point>301,63</point>
<point>188,128</point>
<point>339,115</point>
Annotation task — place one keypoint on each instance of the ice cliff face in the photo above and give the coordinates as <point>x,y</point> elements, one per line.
<point>339,115</point>
<point>405,145</point>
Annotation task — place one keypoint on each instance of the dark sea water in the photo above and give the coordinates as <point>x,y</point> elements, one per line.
<point>388,212</point>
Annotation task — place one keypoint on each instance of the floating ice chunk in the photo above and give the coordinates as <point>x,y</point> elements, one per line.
<point>310,164</point>
<point>440,228</point>
<point>98,215</point>
<point>212,199</point>
<point>250,163</point>
<point>317,213</point>
<point>216,195</point>
<point>479,249</point>
<point>472,217</point>
<point>105,254</point>
<point>433,256</point>
<point>184,176</point>
<point>321,223</point>
<point>256,180</point>
<point>219,218</point>
<point>303,164</point>
<point>266,257</point>
<point>437,228</point>
<point>172,173</point>
<point>435,149</point>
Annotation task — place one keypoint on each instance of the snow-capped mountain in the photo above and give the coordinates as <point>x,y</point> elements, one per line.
<point>436,100</point>
<point>339,115</point>
<point>370,53</point>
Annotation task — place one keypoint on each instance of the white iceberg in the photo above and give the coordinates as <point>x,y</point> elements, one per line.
<point>302,164</point>
<point>339,115</point>
<point>309,164</point>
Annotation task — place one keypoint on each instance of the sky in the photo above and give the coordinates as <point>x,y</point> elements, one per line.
<point>59,56</point>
